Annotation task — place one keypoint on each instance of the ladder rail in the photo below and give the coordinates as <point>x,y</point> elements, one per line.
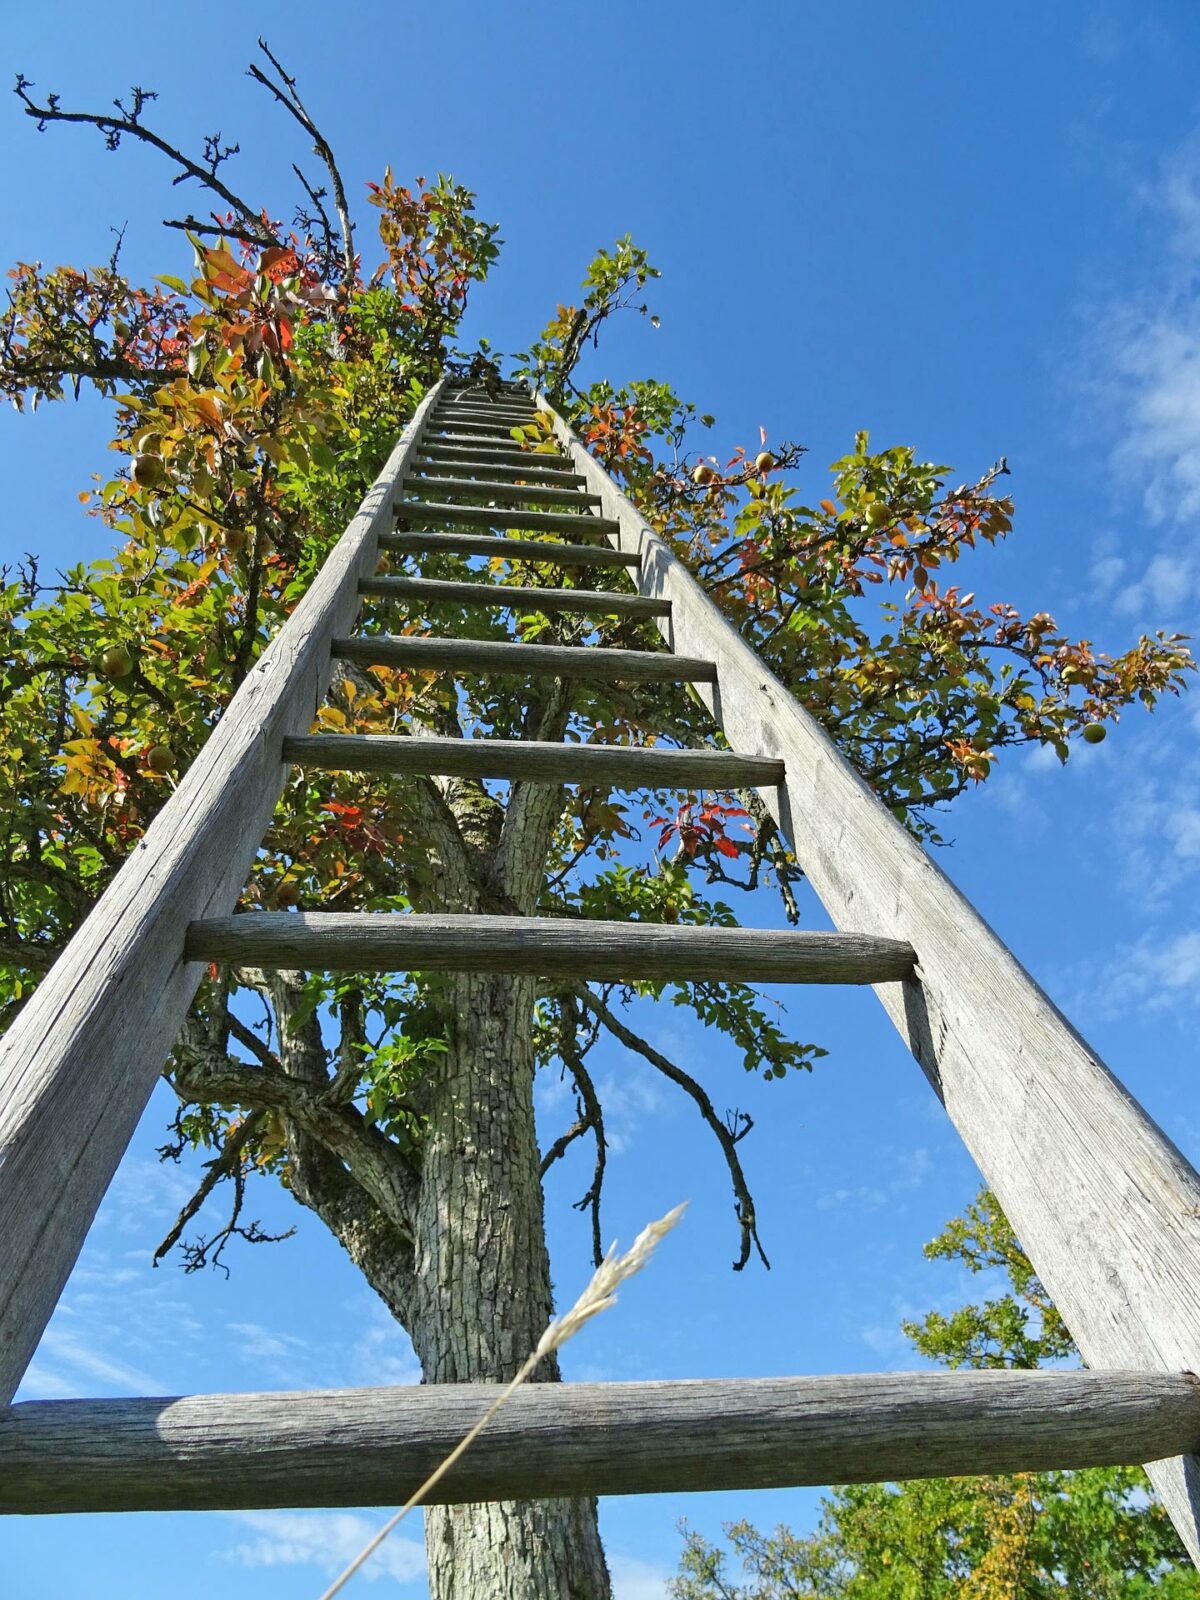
<point>1108,1210</point>
<point>1105,1205</point>
<point>79,1063</point>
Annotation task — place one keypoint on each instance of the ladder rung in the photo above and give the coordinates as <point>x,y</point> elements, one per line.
<point>482,442</point>
<point>366,941</point>
<point>494,432</point>
<point>512,402</point>
<point>497,471</point>
<point>475,422</point>
<point>510,455</point>
<point>648,767</point>
<point>350,1447</point>
<point>506,389</point>
<point>460,415</point>
<point>506,549</point>
<point>463,436</point>
<point>502,655</point>
<point>420,513</point>
<point>486,408</point>
<point>515,597</point>
<point>489,419</point>
<point>529,494</point>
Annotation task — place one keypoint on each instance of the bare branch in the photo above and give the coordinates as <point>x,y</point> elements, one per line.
<point>563,1143</point>
<point>291,102</point>
<point>728,1140</point>
<point>586,1090</point>
<point>217,228</point>
<point>222,1166</point>
<point>128,122</point>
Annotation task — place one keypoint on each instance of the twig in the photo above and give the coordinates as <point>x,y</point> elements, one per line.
<point>291,102</point>
<point>222,1166</point>
<point>114,128</point>
<point>744,1206</point>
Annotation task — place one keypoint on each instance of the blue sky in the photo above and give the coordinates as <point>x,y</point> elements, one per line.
<point>977,233</point>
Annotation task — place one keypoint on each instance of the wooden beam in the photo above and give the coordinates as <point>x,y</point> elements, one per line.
<point>513,597</point>
<point>505,493</point>
<point>366,941</point>
<point>531,761</point>
<point>348,1447</point>
<point>489,450</point>
<point>487,655</point>
<point>78,1064</point>
<point>463,438</point>
<point>434,471</point>
<point>486,450</point>
<point>422,513</point>
<point>1105,1205</point>
<point>485,422</point>
<point>495,410</point>
<point>506,549</point>
<point>472,424</point>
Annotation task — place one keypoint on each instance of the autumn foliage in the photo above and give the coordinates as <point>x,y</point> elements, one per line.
<point>255,397</point>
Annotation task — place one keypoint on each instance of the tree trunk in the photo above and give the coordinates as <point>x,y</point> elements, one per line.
<point>481,1296</point>
<point>452,1235</point>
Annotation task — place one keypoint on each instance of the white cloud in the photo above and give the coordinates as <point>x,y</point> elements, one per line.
<point>384,1354</point>
<point>43,1383</point>
<point>1154,828</point>
<point>254,1342</point>
<point>912,1169</point>
<point>631,1097</point>
<point>1155,360</point>
<point>1145,363</point>
<point>637,1580</point>
<point>85,1365</point>
<point>1156,975</point>
<point>326,1540</point>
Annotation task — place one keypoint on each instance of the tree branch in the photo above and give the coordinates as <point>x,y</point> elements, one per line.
<point>27,957</point>
<point>223,1165</point>
<point>204,1075</point>
<point>128,123</point>
<point>726,1137</point>
<point>291,102</point>
<point>594,1119</point>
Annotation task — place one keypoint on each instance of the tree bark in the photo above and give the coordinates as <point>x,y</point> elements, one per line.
<point>481,1296</point>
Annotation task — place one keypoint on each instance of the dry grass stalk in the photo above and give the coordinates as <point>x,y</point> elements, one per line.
<point>601,1292</point>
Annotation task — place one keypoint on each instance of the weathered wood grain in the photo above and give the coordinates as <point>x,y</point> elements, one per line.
<point>486,655</point>
<point>503,493</point>
<point>509,549</point>
<point>362,941</point>
<point>512,414</point>
<point>375,1446</point>
<point>484,450</point>
<point>433,471</point>
<point>424,513</point>
<point>523,409</point>
<point>484,425</point>
<point>464,438</point>
<point>1106,1206</point>
<point>478,427</point>
<point>513,597</point>
<point>78,1064</point>
<point>531,760</point>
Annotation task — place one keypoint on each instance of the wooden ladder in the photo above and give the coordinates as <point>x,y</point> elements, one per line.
<point>1107,1208</point>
